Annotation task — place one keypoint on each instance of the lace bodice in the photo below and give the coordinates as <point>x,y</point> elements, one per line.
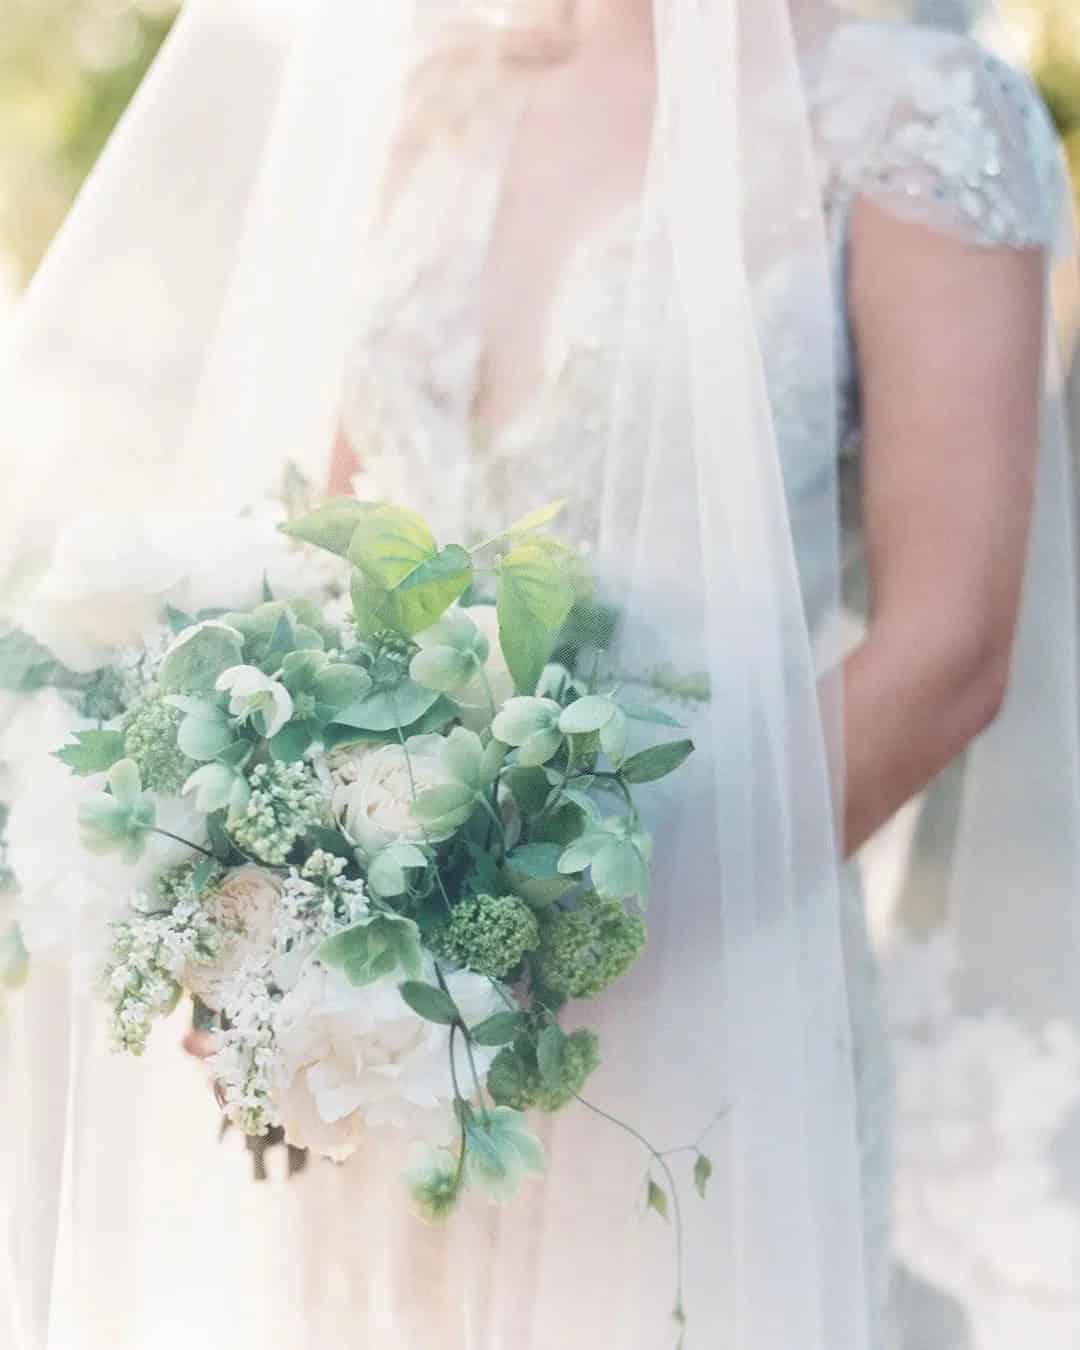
<point>929,125</point>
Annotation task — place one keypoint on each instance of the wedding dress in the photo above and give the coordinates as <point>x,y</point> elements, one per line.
<point>222,362</point>
<point>929,126</point>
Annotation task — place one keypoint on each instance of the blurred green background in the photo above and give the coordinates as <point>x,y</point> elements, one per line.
<point>68,68</point>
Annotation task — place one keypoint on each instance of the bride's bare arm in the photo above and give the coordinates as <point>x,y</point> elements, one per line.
<point>950,342</point>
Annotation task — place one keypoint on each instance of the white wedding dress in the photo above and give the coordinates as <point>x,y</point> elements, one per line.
<point>932,129</point>
<point>928,125</point>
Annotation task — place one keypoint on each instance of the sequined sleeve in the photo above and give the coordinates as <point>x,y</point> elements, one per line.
<point>939,131</point>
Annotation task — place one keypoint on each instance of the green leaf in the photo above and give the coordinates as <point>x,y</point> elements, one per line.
<point>497,1030</point>
<point>293,741</point>
<point>703,1170</point>
<point>536,520</point>
<point>283,638</point>
<point>430,1003</point>
<point>375,948</point>
<point>198,656</point>
<point>330,526</point>
<point>25,665</point>
<point>641,712</point>
<point>429,591</point>
<point>202,872</point>
<point>389,543</point>
<point>550,1048</point>
<point>535,592</point>
<point>436,718</point>
<point>532,872</point>
<point>267,589</point>
<point>178,620</point>
<point>586,715</point>
<point>387,707</point>
<point>340,685</point>
<point>656,1198</point>
<point>93,752</point>
<point>530,788</point>
<point>648,766</point>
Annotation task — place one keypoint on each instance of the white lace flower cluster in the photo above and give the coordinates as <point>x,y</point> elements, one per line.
<point>153,951</point>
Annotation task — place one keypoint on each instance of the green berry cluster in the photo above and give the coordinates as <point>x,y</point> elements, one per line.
<point>285,803</point>
<point>490,934</point>
<point>584,950</point>
<point>515,1079</point>
<point>150,730</point>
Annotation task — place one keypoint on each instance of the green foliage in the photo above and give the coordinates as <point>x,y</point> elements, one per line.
<point>490,934</point>
<point>120,819</point>
<point>500,1152</point>
<point>149,737</point>
<point>92,752</point>
<point>375,948</point>
<point>584,950</point>
<point>198,656</point>
<point>538,582</point>
<point>544,1072</point>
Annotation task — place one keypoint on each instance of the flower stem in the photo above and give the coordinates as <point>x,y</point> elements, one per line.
<point>661,1161</point>
<point>198,848</point>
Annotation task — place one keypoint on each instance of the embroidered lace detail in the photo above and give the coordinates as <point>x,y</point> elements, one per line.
<point>941,132</point>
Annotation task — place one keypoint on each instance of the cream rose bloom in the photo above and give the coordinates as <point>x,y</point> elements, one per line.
<point>373,791</point>
<point>243,907</point>
<point>352,1060</point>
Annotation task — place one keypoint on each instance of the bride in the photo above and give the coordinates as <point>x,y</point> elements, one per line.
<point>762,291</point>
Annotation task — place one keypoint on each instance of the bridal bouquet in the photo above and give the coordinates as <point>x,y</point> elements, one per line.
<point>379,827</point>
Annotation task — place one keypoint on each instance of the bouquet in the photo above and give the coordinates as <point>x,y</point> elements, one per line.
<point>378,822</point>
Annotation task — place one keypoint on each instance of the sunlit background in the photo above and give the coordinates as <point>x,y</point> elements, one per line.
<point>68,68</point>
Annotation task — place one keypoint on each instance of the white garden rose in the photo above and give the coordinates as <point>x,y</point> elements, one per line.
<point>374,789</point>
<point>351,1060</point>
<point>243,907</point>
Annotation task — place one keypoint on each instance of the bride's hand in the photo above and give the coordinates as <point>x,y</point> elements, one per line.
<point>200,1044</point>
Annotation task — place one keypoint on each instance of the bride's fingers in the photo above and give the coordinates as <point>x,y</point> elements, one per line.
<point>198,1043</point>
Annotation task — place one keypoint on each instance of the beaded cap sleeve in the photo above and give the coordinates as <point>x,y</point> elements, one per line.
<point>935,129</point>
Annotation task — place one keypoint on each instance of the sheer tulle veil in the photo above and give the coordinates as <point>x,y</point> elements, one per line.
<point>182,344</point>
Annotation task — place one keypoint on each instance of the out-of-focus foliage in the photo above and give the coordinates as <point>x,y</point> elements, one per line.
<point>1050,34</point>
<point>67,71</point>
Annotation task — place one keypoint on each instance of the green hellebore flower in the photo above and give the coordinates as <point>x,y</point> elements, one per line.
<point>120,819</point>
<point>217,787</point>
<point>374,948</point>
<point>451,652</point>
<point>254,697</point>
<point>435,1185</point>
<point>532,726</point>
<point>470,769</point>
<point>501,1152</point>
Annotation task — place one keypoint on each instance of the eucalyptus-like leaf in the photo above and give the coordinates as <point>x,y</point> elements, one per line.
<point>387,707</point>
<point>532,872</point>
<point>212,787</point>
<point>205,732</point>
<point>463,758</point>
<point>193,662</point>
